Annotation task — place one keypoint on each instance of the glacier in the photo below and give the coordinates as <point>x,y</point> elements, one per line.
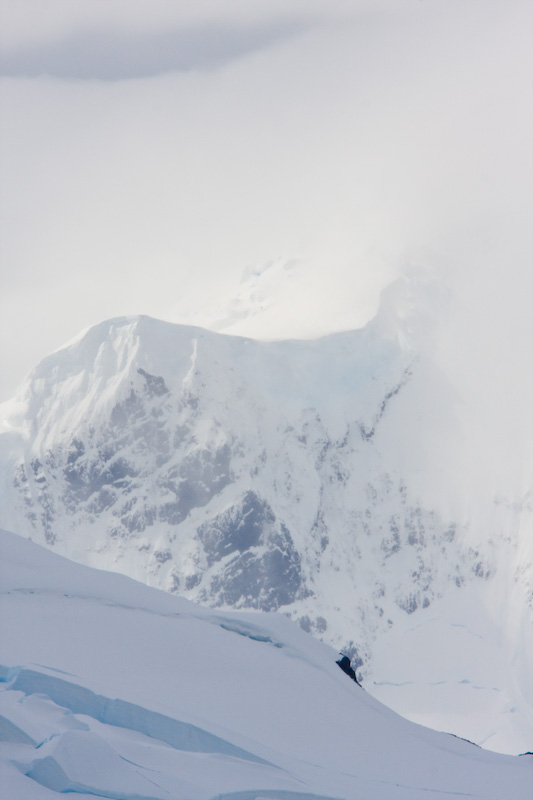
<point>322,479</point>
<point>112,689</point>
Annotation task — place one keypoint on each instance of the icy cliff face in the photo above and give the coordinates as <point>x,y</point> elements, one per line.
<point>311,477</point>
<point>235,472</point>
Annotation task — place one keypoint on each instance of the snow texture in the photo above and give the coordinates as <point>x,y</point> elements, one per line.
<point>111,689</point>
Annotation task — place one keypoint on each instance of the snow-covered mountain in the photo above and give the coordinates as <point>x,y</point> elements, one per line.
<point>112,689</point>
<point>322,478</point>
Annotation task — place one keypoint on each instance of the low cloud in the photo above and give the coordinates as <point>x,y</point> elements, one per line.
<point>345,144</point>
<point>114,55</point>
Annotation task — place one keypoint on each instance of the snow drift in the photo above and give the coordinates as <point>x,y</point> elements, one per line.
<point>112,689</point>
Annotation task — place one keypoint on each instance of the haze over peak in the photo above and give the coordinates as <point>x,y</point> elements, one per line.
<point>372,136</point>
<point>331,205</point>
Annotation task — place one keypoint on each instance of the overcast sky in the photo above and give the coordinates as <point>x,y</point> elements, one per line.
<point>157,157</point>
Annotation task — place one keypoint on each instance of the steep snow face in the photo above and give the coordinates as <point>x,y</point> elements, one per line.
<point>235,472</point>
<point>322,478</point>
<point>212,705</point>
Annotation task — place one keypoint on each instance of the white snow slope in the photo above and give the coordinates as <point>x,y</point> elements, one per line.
<point>112,689</point>
<point>330,479</point>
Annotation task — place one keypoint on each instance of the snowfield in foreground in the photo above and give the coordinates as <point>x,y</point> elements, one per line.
<point>113,689</point>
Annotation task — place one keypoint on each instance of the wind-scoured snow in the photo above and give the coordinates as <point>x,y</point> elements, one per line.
<point>111,689</point>
<point>326,479</point>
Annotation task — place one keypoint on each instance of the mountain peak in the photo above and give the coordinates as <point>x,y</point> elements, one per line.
<point>322,478</point>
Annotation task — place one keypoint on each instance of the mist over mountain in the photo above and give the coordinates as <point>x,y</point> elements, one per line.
<point>303,230</point>
<point>328,479</point>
